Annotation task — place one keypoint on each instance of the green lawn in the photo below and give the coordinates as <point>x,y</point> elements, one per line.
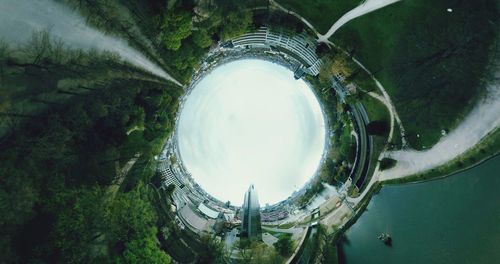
<point>321,13</point>
<point>375,109</point>
<point>431,61</point>
<point>287,225</point>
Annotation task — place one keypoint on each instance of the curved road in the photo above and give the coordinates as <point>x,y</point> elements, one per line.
<point>365,143</point>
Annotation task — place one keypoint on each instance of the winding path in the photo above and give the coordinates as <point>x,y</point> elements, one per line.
<point>481,121</point>
<point>365,8</point>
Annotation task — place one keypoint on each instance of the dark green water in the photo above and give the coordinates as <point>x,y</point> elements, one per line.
<point>451,220</point>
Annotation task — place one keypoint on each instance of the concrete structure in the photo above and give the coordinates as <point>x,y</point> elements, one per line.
<point>169,176</point>
<point>207,211</point>
<point>299,46</point>
<point>251,226</point>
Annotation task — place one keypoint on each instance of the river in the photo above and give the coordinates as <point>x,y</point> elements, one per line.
<point>450,220</point>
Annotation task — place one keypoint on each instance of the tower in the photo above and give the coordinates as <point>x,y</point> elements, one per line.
<point>251,227</point>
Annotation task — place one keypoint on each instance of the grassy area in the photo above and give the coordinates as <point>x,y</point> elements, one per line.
<point>375,109</point>
<point>431,61</point>
<point>321,13</point>
<point>287,225</point>
<point>277,234</point>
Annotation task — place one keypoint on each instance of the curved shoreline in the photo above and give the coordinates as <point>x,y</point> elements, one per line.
<point>377,186</point>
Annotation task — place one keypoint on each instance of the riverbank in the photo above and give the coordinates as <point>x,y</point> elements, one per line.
<point>487,149</point>
<point>440,217</point>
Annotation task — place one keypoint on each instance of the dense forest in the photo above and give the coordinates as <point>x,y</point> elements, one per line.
<point>63,160</point>
<point>81,129</point>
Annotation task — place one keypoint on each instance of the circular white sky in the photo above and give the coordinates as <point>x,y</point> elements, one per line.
<point>250,122</point>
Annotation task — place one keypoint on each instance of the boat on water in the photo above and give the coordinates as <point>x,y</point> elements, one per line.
<point>386,238</point>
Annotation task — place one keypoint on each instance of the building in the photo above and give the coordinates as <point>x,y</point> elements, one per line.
<point>250,227</point>
<point>275,215</point>
<point>169,176</point>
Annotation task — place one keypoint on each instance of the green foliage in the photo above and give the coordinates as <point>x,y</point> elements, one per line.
<point>235,23</point>
<point>176,26</point>
<point>214,251</point>
<point>324,249</point>
<point>56,171</point>
<point>188,57</point>
<point>202,39</point>
<point>80,228</point>
<point>284,245</point>
<point>255,252</point>
<point>334,170</point>
<point>129,215</point>
<point>145,250</point>
<point>97,222</point>
<point>17,196</point>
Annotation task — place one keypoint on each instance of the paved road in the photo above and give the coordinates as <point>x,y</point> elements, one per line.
<point>364,146</point>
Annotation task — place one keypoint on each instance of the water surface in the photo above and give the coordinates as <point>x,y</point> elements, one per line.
<point>451,220</point>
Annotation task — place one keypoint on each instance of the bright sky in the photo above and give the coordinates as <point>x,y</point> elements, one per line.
<point>250,122</point>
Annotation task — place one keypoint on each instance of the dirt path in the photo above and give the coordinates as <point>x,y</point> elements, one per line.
<point>481,121</point>
<point>365,8</point>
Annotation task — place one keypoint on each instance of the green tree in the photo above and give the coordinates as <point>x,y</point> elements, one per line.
<point>81,226</point>
<point>202,39</point>
<point>129,215</point>
<point>188,57</point>
<point>145,250</point>
<point>284,245</point>
<point>176,26</point>
<point>18,195</point>
<point>213,252</point>
<point>235,24</point>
